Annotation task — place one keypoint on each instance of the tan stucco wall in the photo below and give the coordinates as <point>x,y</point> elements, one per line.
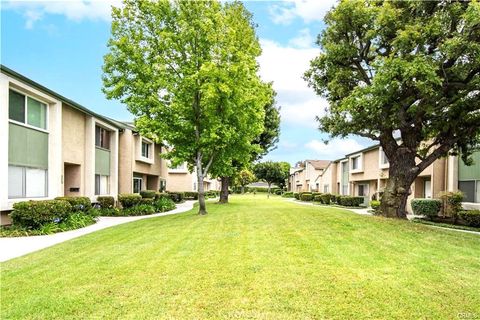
<point>125,162</point>
<point>180,182</point>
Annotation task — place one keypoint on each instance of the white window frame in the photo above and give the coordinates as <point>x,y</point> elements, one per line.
<point>25,124</point>
<point>381,157</point>
<point>24,183</point>
<point>360,163</point>
<point>151,150</point>
<point>133,184</point>
<point>100,186</point>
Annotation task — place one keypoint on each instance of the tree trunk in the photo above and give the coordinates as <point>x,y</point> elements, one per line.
<point>268,193</point>
<point>224,190</point>
<point>243,189</point>
<point>402,174</point>
<point>202,208</point>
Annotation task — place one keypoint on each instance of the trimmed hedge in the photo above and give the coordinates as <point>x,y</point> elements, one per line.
<point>296,195</point>
<point>334,198</point>
<point>177,197</point>
<point>471,217</point>
<point>106,202</point>
<point>349,201</point>
<point>34,214</point>
<point>287,194</point>
<point>317,198</point>
<point>164,204</point>
<point>191,195</point>
<point>129,200</point>
<point>78,203</point>
<point>150,194</point>
<point>306,196</point>
<point>161,195</point>
<point>278,192</point>
<point>375,205</point>
<point>426,207</point>
<point>325,198</point>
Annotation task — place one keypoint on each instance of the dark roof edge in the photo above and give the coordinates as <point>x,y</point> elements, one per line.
<point>70,102</point>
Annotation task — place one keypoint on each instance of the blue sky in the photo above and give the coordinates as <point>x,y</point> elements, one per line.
<point>61,45</point>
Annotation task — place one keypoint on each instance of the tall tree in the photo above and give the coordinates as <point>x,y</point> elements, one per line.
<point>243,178</point>
<point>407,69</point>
<point>266,142</point>
<point>188,72</point>
<point>272,173</point>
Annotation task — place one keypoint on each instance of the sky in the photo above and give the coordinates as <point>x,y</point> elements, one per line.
<point>61,44</point>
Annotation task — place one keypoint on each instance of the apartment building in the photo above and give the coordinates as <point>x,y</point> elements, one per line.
<point>181,179</point>
<point>304,176</point>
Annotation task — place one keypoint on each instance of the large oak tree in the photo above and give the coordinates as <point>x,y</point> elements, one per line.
<point>402,69</point>
<point>188,72</point>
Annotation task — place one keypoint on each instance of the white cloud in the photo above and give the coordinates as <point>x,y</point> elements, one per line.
<point>336,148</point>
<point>308,10</point>
<point>285,65</point>
<point>304,39</point>
<point>76,10</point>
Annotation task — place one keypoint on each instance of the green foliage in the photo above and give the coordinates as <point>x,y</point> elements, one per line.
<point>375,205</point>
<point>452,203</point>
<point>472,217</point>
<point>278,192</point>
<point>272,172</point>
<point>334,198</point>
<point>287,194</point>
<point>243,178</point>
<point>139,210</point>
<point>147,201</point>
<point>306,196</point>
<point>106,202</point>
<point>164,204</point>
<point>148,194</point>
<point>406,67</point>
<point>159,195</point>
<point>110,212</point>
<point>426,207</point>
<point>296,195</point>
<point>188,81</point>
<point>78,203</point>
<point>34,214</point>
<point>349,201</point>
<point>325,198</point>
<point>177,197</point>
<point>191,195</point>
<point>129,200</point>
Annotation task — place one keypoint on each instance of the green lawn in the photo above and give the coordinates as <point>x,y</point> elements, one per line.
<point>254,258</point>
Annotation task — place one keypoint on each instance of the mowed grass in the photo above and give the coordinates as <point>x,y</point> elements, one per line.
<point>254,258</point>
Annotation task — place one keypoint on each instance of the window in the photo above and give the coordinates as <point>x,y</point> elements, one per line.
<point>145,149</point>
<point>163,185</point>
<point>25,182</point>
<point>102,138</point>
<point>356,163</point>
<point>383,158</point>
<point>362,190</point>
<point>470,189</point>
<point>24,109</point>
<point>325,188</point>
<point>101,184</point>
<point>137,185</point>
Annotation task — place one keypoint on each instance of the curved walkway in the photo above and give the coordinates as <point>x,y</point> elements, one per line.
<point>16,247</point>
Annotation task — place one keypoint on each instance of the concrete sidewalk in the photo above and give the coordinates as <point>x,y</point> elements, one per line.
<point>15,247</point>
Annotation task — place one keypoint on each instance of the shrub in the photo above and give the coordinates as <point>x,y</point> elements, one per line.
<point>129,200</point>
<point>375,204</point>
<point>471,217</point>
<point>164,204</point>
<point>75,221</point>
<point>317,198</point>
<point>110,212</point>
<point>349,201</point>
<point>426,207</point>
<point>177,197</point>
<point>278,192</point>
<point>106,202</point>
<point>334,198</point>
<point>34,214</point>
<point>287,195</point>
<point>306,197</point>
<point>191,195</point>
<point>296,195</point>
<point>147,201</point>
<point>148,194</point>
<point>139,210</point>
<point>160,195</point>
<point>452,203</point>
<point>78,203</point>
<point>325,198</point>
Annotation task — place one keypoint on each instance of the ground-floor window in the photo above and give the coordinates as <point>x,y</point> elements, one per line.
<point>470,189</point>
<point>25,182</point>
<point>102,184</point>
<point>137,185</point>
<point>163,185</point>
<point>326,188</point>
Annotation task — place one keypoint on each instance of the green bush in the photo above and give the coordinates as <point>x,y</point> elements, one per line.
<point>147,201</point>
<point>452,203</point>
<point>78,203</point>
<point>75,221</point>
<point>191,195</point>
<point>34,214</point>
<point>164,204</point>
<point>349,201</point>
<point>317,198</point>
<point>160,195</point>
<point>287,194</point>
<point>150,194</point>
<point>426,207</point>
<point>334,198</point>
<point>375,205</point>
<point>278,192</point>
<point>306,196</point>
<point>296,195</point>
<point>177,197</point>
<point>471,217</point>
<point>325,198</point>
<point>139,210</point>
<point>106,202</point>
<point>110,212</point>
<point>129,200</point>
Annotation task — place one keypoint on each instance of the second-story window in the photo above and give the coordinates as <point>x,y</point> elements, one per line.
<point>102,138</point>
<point>383,158</point>
<point>24,109</point>
<point>356,163</point>
<point>145,149</point>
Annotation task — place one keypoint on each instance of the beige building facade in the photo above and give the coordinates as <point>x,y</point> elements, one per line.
<point>180,179</point>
